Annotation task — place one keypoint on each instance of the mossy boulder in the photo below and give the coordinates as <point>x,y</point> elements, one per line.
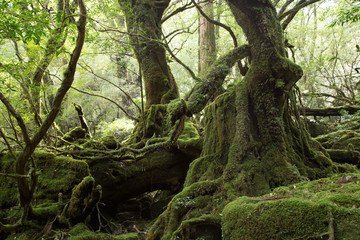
<point>57,174</point>
<point>322,209</point>
<point>316,128</point>
<point>110,142</point>
<point>75,134</point>
<point>82,232</point>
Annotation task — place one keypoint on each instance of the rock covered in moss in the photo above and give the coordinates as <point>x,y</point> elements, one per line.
<point>75,134</point>
<point>110,142</point>
<point>57,174</point>
<point>82,232</point>
<point>326,208</point>
<point>317,128</point>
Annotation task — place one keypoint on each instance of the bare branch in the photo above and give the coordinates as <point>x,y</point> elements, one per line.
<point>284,7</point>
<point>176,11</point>
<point>276,2</point>
<point>192,74</point>
<point>90,70</point>
<point>290,14</point>
<point>13,175</point>
<point>108,99</point>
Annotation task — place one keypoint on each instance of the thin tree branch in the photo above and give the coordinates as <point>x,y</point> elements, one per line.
<point>108,99</point>
<point>192,74</point>
<point>176,11</point>
<point>290,14</point>
<point>3,135</point>
<point>17,116</point>
<point>284,7</point>
<point>276,2</point>
<point>90,70</point>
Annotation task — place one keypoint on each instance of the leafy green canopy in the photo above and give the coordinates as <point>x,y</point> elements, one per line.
<point>25,20</point>
<point>348,14</point>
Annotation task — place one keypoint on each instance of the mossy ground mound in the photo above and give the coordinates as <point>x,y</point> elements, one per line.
<point>75,134</point>
<point>82,232</point>
<point>57,174</point>
<point>323,209</point>
<point>327,208</point>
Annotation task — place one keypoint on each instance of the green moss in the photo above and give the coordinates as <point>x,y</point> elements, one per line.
<point>46,211</point>
<point>110,142</point>
<point>58,174</point>
<point>92,144</point>
<point>83,199</point>
<point>154,123</point>
<point>280,219</point>
<point>8,186</point>
<point>75,134</point>
<point>306,210</point>
<point>195,197</point>
<point>189,132</point>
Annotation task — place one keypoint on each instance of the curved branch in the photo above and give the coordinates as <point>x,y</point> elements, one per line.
<point>97,95</point>
<point>227,28</point>
<point>284,7</point>
<point>290,14</point>
<point>17,116</point>
<point>9,228</point>
<point>176,11</point>
<point>2,134</point>
<point>102,78</point>
<point>203,91</point>
<point>297,8</point>
<point>187,68</point>
<point>68,75</point>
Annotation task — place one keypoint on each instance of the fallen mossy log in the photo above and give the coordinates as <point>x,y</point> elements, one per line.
<point>331,111</point>
<point>164,169</point>
<point>344,156</point>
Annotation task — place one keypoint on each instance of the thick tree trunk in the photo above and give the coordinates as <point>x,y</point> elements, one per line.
<point>252,144</point>
<point>143,19</point>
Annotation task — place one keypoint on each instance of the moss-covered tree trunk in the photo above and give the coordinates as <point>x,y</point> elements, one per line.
<point>253,140</point>
<point>143,20</point>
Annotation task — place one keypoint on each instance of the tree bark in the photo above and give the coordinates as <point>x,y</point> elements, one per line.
<point>160,170</point>
<point>143,19</point>
<point>207,45</point>
<point>82,119</point>
<point>252,143</point>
